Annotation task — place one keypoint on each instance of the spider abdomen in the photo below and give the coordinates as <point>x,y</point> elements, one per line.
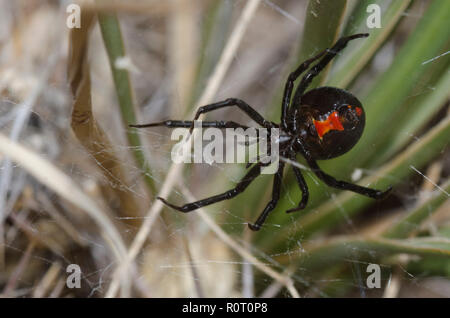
<point>333,121</point>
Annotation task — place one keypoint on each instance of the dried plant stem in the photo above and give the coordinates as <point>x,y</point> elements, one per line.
<point>394,284</point>
<point>273,289</point>
<point>195,276</point>
<point>183,53</point>
<point>63,185</point>
<point>46,282</point>
<point>243,252</point>
<point>6,174</point>
<point>59,286</point>
<point>60,219</point>
<point>19,269</point>
<point>176,170</point>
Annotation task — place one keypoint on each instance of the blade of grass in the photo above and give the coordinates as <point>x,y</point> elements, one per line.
<point>215,30</point>
<point>322,27</point>
<point>433,266</point>
<point>415,118</point>
<point>183,52</point>
<point>112,38</point>
<point>326,254</point>
<point>243,252</point>
<point>18,270</point>
<point>412,221</point>
<point>357,55</point>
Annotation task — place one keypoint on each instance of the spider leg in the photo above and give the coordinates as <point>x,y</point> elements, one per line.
<point>189,123</point>
<point>273,202</point>
<point>240,187</point>
<point>290,86</point>
<point>316,69</point>
<point>303,186</point>
<point>262,164</point>
<point>332,182</point>
<point>253,114</point>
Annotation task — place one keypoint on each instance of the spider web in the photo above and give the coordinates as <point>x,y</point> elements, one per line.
<point>182,257</point>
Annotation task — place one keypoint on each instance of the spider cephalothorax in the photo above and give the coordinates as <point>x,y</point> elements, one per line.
<point>322,123</point>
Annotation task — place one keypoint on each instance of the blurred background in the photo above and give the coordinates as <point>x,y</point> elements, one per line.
<point>78,186</point>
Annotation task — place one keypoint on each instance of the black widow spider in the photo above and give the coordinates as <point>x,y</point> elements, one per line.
<point>323,123</point>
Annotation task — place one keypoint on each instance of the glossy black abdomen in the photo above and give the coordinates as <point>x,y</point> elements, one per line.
<point>333,120</point>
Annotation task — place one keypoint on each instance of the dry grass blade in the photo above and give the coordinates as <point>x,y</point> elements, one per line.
<point>244,253</point>
<point>61,220</point>
<point>84,125</point>
<point>194,272</point>
<point>47,281</point>
<point>183,53</point>
<point>19,269</point>
<point>154,8</point>
<point>35,236</point>
<point>175,170</point>
<point>63,185</point>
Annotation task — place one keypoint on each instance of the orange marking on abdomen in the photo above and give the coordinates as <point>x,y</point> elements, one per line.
<point>331,123</point>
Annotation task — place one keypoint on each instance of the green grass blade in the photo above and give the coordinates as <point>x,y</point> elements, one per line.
<point>413,120</point>
<point>112,38</point>
<point>433,266</point>
<point>216,27</point>
<point>324,255</point>
<point>322,27</point>
<point>357,55</point>
<point>411,222</point>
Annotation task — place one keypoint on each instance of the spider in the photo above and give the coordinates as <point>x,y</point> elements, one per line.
<point>320,124</point>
